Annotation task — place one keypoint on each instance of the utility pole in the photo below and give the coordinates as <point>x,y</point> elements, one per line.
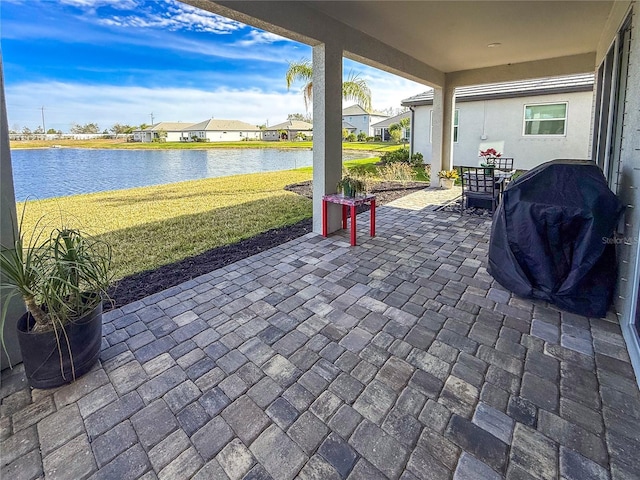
<point>151,118</point>
<point>44,129</point>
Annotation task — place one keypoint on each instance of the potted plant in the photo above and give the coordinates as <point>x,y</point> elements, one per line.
<point>486,155</point>
<point>447,177</point>
<point>63,281</point>
<point>351,186</point>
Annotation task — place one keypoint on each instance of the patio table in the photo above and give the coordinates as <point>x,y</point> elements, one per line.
<point>352,202</point>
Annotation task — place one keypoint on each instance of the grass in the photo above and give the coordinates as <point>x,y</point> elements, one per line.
<point>122,144</point>
<point>153,226</point>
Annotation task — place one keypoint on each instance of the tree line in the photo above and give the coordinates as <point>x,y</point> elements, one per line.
<point>76,128</point>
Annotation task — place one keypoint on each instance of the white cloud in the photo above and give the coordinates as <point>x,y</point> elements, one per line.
<point>173,16</point>
<point>93,4</point>
<point>259,37</point>
<point>387,90</point>
<point>68,103</point>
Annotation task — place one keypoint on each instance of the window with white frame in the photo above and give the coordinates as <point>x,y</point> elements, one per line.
<point>455,125</point>
<point>545,119</point>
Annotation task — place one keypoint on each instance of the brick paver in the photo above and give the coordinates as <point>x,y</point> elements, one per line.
<point>398,358</point>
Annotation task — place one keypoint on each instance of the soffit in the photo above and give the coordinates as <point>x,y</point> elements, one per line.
<point>453,35</point>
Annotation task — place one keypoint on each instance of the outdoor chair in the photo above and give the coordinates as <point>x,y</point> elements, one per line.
<point>480,185</point>
<point>504,169</point>
<point>501,163</point>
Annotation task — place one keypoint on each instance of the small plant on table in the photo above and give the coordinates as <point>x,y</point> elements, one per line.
<point>351,186</point>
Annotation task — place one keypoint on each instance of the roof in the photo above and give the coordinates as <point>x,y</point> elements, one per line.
<point>391,120</point>
<point>354,110</point>
<point>218,125</point>
<point>348,126</point>
<point>168,126</point>
<point>291,125</point>
<point>525,88</point>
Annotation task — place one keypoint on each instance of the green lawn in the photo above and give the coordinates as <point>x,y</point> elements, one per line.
<point>121,144</point>
<point>153,226</point>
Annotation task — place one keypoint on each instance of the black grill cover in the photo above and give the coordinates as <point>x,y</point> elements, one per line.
<point>549,237</point>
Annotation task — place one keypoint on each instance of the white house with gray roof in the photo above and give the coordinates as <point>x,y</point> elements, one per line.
<point>209,130</point>
<point>174,132</point>
<point>362,120</point>
<point>381,129</point>
<point>533,121</point>
<point>213,130</point>
<point>287,130</point>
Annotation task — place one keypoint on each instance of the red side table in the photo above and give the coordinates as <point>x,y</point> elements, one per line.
<point>352,202</point>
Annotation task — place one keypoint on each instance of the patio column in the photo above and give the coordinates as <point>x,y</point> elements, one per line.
<point>7,230</point>
<point>327,131</point>
<point>442,131</point>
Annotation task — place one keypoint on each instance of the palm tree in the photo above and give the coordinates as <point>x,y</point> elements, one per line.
<point>354,88</point>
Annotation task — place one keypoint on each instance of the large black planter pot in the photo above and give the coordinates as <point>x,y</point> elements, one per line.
<point>41,352</point>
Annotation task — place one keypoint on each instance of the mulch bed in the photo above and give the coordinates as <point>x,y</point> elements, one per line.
<point>140,285</point>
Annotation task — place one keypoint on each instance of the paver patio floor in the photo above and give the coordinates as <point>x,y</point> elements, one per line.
<point>397,358</point>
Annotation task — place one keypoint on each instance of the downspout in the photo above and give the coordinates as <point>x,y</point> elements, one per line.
<point>413,115</point>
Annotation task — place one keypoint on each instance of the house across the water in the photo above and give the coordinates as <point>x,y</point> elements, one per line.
<point>211,130</point>
<point>288,130</point>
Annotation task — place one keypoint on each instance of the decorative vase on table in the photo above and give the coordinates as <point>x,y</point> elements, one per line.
<point>446,183</point>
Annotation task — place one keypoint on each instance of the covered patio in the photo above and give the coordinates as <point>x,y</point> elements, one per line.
<point>398,358</point>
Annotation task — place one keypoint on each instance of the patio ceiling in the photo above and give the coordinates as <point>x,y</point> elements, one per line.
<point>452,36</point>
<point>424,40</point>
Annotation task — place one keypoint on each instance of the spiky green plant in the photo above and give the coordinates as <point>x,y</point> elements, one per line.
<point>60,279</point>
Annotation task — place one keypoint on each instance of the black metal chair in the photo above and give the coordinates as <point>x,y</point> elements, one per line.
<point>481,185</point>
<point>501,163</point>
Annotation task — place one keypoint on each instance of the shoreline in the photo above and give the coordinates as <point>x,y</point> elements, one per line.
<point>371,149</point>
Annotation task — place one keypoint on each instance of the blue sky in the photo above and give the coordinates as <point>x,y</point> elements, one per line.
<point>109,61</point>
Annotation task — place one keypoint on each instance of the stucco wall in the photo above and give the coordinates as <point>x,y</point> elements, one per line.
<point>499,124</point>
<point>231,136</point>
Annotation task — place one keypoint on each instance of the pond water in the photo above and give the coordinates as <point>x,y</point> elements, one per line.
<point>58,172</point>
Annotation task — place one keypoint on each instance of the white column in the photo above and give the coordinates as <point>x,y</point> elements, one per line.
<point>7,230</point>
<point>327,131</point>
<point>444,104</point>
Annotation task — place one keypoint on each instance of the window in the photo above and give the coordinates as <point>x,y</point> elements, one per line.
<point>455,126</point>
<point>456,115</point>
<point>545,119</point>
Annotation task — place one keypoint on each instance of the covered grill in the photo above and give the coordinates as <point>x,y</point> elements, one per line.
<point>552,237</point>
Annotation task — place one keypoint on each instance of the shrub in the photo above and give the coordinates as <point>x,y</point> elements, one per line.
<point>402,156</point>
<point>370,139</point>
<point>398,172</point>
<point>377,138</point>
<point>351,137</point>
<point>417,159</point>
<point>362,137</point>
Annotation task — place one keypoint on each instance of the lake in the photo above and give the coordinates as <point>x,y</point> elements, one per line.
<point>59,172</point>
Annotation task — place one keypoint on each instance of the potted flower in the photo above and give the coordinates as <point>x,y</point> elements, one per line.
<point>447,177</point>
<point>63,281</point>
<point>351,186</point>
<point>490,153</point>
<point>486,155</point>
